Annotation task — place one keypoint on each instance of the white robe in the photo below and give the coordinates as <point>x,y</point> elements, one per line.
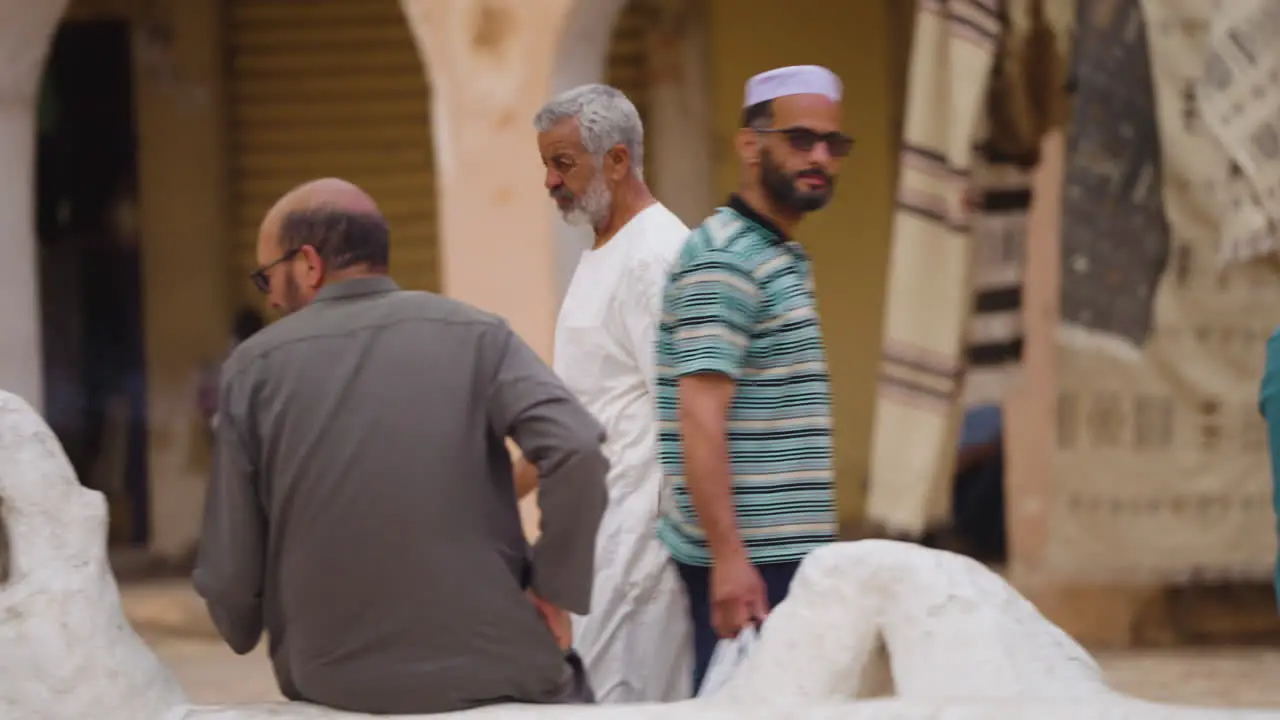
<point>637,643</point>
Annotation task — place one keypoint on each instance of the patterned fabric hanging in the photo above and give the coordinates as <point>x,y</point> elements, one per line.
<point>929,289</point>
<point>953,320</point>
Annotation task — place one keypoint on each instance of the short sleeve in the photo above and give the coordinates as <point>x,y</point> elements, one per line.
<point>713,302</point>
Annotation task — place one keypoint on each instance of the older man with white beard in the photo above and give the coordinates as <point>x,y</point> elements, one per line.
<point>636,643</point>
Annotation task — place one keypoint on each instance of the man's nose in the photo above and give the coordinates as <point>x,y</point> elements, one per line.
<point>821,154</point>
<point>553,180</point>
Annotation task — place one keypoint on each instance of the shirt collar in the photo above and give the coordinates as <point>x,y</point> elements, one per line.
<point>740,206</point>
<point>357,287</point>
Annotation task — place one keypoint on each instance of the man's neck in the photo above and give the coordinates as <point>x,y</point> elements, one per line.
<point>755,197</point>
<point>353,273</point>
<point>629,200</point>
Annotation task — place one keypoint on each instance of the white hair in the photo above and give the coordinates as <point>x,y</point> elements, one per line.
<point>606,118</point>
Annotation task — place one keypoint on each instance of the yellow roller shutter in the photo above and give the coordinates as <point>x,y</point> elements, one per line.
<point>628,66</point>
<point>334,88</point>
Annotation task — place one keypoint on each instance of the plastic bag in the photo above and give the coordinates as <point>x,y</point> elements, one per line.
<point>725,659</point>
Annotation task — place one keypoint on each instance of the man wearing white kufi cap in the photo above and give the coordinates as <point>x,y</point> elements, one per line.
<point>744,400</point>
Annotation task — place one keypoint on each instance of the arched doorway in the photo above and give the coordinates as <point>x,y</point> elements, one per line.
<point>131,249</point>
<point>330,89</point>
<point>91,262</point>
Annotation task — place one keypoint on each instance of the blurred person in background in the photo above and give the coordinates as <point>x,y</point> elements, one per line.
<point>978,524</point>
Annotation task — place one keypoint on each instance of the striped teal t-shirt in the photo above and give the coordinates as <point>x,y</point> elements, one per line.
<point>740,302</point>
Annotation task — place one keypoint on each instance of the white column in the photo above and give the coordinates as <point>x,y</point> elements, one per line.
<point>26,29</point>
<point>489,64</point>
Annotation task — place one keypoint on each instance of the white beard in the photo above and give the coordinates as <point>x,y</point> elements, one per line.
<point>592,209</point>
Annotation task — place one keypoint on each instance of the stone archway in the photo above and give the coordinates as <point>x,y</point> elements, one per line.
<point>491,66</point>
<point>25,37</point>
<point>176,125</point>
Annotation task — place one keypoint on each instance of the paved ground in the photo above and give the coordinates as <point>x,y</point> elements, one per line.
<point>174,621</point>
<point>1230,677</point>
<point>214,675</point>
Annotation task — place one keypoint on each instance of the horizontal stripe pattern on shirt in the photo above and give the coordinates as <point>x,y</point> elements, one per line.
<point>740,302</point>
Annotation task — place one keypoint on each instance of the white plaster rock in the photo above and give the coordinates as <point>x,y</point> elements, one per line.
<point>961,644</point>
<point>66,649</point>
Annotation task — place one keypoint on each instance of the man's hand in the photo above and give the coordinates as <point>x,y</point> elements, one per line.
<point>526,477</point>
<point>557,620</point>
<point>738,596</point>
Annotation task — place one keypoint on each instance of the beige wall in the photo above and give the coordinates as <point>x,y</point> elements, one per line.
<point>850,239</point>
<point>187,312</point>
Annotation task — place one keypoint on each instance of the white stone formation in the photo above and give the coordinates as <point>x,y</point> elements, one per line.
<point>961,643</point>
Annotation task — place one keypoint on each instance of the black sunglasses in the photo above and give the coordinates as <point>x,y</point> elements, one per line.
<point>259,276</point>
<point>805,140</point>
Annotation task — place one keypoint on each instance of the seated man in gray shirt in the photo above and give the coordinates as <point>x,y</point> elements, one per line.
<point>361,508</point>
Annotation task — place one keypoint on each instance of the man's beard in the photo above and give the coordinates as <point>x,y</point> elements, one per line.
<point>781,187</point>
<point>592,208</point>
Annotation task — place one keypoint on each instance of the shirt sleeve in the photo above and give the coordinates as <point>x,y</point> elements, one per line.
<point>714,301</point>
<point>231,556</point>
<point>530,405</point>
<point>639,309</point>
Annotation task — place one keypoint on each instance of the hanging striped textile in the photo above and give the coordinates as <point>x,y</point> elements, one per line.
<point>930,280</point>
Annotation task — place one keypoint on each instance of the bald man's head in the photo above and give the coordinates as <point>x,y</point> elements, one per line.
<point>318,231</point>
<point>332,193</point>
<point>336,218</point>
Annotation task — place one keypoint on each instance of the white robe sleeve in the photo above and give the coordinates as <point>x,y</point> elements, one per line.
<point>638,309</point>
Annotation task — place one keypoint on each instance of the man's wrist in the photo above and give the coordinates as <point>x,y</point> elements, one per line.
<point>728,551</point>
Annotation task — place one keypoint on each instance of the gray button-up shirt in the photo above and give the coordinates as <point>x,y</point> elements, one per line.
<point>362,511</point>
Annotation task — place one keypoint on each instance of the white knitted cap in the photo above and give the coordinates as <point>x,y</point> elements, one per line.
<point>794,80</point>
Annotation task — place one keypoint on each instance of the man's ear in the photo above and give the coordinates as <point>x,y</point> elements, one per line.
<point>314,271</point>
<point>747,143</point>
<point>617,160</point>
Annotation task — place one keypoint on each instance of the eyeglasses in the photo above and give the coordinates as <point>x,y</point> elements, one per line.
<point>259,277</point>
<point>805,140</point>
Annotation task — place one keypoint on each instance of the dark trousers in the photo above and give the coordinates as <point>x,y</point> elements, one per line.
<point>582,694</point>
<point>978,509</point>
<point>697,579</point>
